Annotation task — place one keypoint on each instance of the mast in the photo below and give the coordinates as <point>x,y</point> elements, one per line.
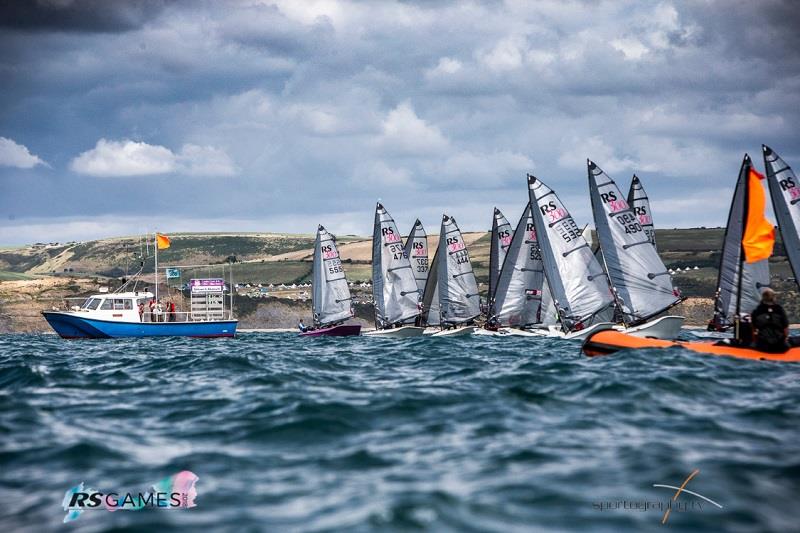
<point>737,318</point>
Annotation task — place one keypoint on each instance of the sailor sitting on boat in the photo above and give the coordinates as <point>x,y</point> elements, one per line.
<point>770,325</point>
<point>302,327</point>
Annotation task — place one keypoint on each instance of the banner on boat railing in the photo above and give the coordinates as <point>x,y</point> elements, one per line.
<point>173,273</point>
<point>207,285</point>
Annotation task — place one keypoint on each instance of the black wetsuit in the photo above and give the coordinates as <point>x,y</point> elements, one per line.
<point>770,323</point>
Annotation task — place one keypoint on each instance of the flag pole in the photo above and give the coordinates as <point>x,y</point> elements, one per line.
<point>155,246</point>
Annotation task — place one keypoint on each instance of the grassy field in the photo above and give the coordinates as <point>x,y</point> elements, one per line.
<point>13,276</point>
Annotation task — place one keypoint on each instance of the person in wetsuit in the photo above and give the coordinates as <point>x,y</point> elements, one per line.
<point>770,325</point>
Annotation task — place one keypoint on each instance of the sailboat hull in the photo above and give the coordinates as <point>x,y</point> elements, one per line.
<point>509,332</point>
<point>666,327</point>
<point>457,332</point>
<point>554,331</point>
<point>344,330</point>
<point>397,333</point>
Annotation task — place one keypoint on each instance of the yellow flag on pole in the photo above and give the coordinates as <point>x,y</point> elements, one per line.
<point>162,241</point>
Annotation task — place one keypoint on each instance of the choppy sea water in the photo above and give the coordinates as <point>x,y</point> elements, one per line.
<point>363,434</point>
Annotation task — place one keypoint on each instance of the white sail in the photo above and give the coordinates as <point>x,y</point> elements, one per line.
<point>549,314</point>
<point>640,203</point>
<point>577,283</point>
<point>517,300</point>
<point>784,190</point>
<point>739,283</point>
<point>394,288</point>
<point>452,280</point>
<point>500,241</point>
<point>642,283</point>
<point>330,295</point>
<point>417,251</point>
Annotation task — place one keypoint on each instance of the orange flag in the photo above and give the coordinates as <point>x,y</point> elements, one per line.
<point>759,234</point>
<point>162,241</point>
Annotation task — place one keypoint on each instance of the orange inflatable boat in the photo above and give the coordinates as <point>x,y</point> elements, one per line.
<point>610,341</point>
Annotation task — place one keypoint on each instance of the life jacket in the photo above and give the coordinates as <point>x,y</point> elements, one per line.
<point>769,327</point>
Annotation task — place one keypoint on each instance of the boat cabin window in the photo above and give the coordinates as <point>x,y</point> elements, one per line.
<point>106,304</point>
<point>91,303</point>
<point>122,304</point>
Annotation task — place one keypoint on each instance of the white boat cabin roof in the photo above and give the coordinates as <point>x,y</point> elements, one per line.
<point>137,295</point>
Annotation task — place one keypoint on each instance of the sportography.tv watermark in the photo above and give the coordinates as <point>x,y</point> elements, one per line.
<point>697,503</point>
<point>173,492</point>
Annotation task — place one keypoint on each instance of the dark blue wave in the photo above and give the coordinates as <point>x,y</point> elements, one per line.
<point>367,434</point>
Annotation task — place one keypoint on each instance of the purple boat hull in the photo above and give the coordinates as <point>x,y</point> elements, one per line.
<point>345,330</point>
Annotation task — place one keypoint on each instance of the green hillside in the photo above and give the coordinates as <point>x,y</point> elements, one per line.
<point>284,258</point>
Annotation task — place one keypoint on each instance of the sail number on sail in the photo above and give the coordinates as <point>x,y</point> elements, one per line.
<point>389,236</point>
<point>788,184</point>
<point>564,224</point>
<point>628,221</point>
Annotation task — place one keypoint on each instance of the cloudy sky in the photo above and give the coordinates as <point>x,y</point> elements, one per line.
<point>120,117</point>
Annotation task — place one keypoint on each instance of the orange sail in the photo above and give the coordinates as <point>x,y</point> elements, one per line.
<point>759,234</point>
<point>162,241</point>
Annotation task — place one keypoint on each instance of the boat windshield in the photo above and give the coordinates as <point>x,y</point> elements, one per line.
<point>91,303</point>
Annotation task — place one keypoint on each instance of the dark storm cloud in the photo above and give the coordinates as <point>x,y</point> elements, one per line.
<point>281,114</point>
<point>78,15</point>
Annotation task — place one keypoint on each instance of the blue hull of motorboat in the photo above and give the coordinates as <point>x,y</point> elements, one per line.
<point>69,326</point>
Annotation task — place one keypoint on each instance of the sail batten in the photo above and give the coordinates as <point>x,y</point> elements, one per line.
<point>576,281</point>
<point>634,271</point>
<point>394,289</point>
<point>330,295</point>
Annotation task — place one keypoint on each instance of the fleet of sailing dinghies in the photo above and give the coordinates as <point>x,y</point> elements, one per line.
<point>451,300</point>
<point>544,278</point>
<point>640,283</point>
<point>638,201</point>
<point>784,190</point>
<point>394,289</point>
<point>417,250</point>
<point>501,240</point>
<point>576,281</point>
<point>740,282</point>
<point>330,295</point>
